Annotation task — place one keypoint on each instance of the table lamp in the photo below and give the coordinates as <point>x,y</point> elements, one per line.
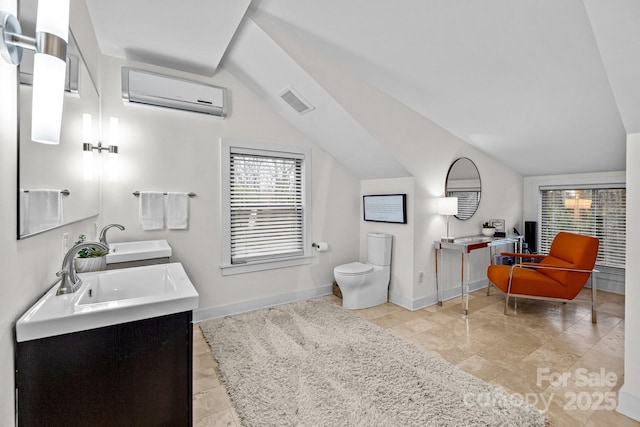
<point>448,206</point>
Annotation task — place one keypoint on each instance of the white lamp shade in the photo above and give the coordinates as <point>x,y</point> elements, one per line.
<point>49,73</point>
<point>48,97</point>
<point>448,206</point>
<point>53,18</point>
<point>113,166</point>
<point>87,165</point>
<point>114,131</point>
<point>87,129</point>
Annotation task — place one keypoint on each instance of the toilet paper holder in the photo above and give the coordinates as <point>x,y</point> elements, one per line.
<point>320,246</point>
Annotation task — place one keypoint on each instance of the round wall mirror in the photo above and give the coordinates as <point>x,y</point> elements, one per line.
<point>463,182</point>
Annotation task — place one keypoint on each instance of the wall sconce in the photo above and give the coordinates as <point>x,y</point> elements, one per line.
<point>49,66</point>
<point>88,147</point>
<point>448,206</point>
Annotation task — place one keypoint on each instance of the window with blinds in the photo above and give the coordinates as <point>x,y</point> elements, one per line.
<point>266,206</point>
<point>597,212</point>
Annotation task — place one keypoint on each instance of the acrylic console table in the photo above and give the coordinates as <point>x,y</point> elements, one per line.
<point>464,246</point>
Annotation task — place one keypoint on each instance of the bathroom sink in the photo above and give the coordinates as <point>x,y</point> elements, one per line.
<point>108,298</point>
<point>121,286</point>
<point>137,251</point>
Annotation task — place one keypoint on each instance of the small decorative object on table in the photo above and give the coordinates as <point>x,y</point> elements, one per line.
<point>89,259</point>
<point>498,224</point>
<point>488,229</point>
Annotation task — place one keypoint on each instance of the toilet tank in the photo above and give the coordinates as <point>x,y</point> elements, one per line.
<point>379,248</point>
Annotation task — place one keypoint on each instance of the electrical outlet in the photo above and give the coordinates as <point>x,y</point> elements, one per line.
<point>420,276</point>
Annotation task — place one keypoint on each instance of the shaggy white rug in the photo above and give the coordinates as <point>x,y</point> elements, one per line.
<point>313,363</point>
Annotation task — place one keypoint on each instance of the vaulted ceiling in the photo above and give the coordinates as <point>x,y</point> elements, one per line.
<point>545,86</point>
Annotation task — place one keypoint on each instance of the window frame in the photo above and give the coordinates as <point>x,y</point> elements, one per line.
<point>227,146</point>
<point>577,187</point>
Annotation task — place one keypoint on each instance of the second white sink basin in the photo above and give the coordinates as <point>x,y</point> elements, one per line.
<point>138,251</point>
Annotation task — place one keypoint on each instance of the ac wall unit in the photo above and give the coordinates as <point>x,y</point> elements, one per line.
<point>146,87</point>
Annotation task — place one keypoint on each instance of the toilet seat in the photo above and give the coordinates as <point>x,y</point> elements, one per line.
<point>353,269</point>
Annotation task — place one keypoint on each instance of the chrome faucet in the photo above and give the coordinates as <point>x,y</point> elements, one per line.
<point>103,232</point>
<point>70,282</point>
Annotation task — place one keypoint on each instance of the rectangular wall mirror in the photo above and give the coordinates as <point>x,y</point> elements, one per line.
<point>55,167</point>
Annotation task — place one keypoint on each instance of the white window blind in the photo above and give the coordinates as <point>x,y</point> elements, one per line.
<point>597,212</point>
<point>468,201</point>
<point>266,204</point>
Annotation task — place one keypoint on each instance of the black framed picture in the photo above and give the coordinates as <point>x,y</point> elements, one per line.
<point>391,208</point>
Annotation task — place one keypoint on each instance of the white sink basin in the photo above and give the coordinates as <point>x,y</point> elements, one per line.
<point>109,298</point>
<point>137,251</point>
<point>121,285</point>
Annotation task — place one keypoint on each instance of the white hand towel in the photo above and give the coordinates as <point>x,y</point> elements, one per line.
<point>177,211</point>
<point>44,211</point>
<point>151,210</point>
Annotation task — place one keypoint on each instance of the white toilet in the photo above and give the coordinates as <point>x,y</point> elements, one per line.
<point>366,285</point>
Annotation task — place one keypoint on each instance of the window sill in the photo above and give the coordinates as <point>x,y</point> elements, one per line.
<point>250,267</point>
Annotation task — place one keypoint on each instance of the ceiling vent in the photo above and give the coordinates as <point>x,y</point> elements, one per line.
<point>149,88</point>
<point>297,102</point>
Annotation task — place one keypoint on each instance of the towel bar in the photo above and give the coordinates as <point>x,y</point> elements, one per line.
<point>137,193</point>
<point>64,192</point>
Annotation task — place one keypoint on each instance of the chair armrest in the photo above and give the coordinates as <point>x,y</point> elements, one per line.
<point>514,254</point>
<point>552,267</point>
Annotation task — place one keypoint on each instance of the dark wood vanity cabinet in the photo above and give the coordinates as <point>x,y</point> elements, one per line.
<point>131,374</point>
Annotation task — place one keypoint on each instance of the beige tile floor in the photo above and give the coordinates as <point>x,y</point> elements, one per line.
<point>525,353</point>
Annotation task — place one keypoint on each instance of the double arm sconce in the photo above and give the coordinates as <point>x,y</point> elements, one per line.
<point>50,46</point>
<point>88,147</point>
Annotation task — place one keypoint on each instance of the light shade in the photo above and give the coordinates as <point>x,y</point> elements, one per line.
<point>113,166</point>
<point>53,18</point>
<point>87,165</point>
<point>104,164</point>
<point>49,71</point>
<point>87,128</point>
<point>48,97</point>
<point>448,206</point>
<point>114,137</point>
<point>114,131</point>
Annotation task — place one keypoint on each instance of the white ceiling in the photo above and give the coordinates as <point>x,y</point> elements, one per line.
<point>526,81</point>
<point>189,35</point>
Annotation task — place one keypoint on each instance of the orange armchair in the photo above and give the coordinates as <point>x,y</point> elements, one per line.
<point>559,276</point>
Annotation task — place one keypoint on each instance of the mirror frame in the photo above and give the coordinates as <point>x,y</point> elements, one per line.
<point>20,155</point>
<point>448,191</point>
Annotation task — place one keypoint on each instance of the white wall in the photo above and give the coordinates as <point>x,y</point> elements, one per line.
<point>401,284</point>
<point>170,150</point>
<point>629,395</point>
<point>426,150</point>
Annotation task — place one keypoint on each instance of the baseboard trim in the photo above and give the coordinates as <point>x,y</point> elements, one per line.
<point>628,404</point>
<point>429,300</point>
<point>615,288</point>
<point>398,299</point>
<point>259,303</point>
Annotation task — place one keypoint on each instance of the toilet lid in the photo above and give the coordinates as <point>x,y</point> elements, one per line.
<point>354,268</point>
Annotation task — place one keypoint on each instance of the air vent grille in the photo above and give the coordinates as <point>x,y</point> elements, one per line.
<point>297,102</point>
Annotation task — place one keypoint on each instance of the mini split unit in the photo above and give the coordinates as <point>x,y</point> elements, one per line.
<point>145,87</point>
